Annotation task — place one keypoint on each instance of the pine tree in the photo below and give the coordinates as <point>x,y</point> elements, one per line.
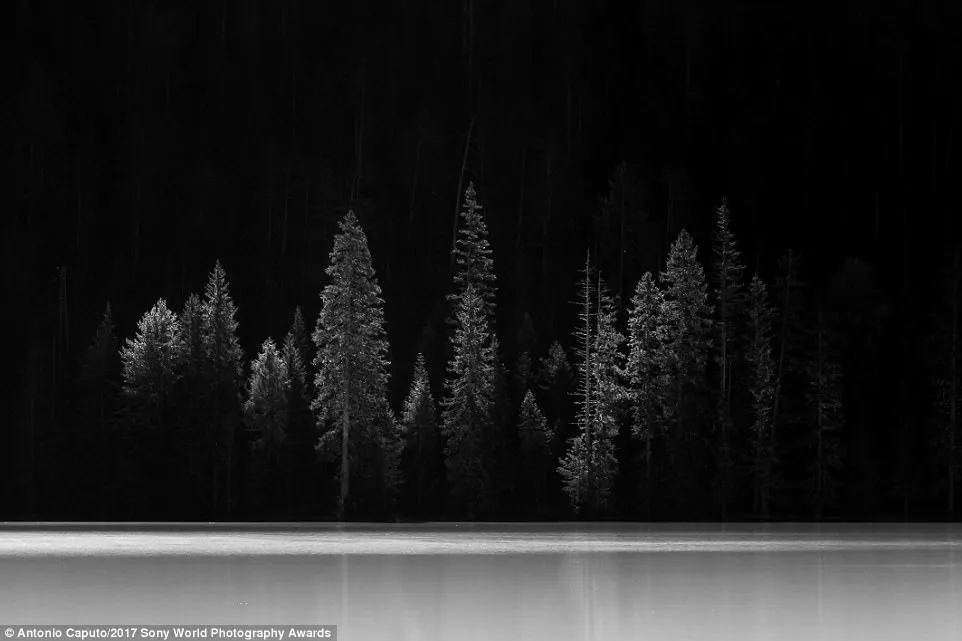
<point>687,314</point>
<point>467,409</point>
<point>523,375</point>
<point>192,323</point>
<point>588,469</point>
<point>788,292</point>
<point>789,422</point>
<point>729,303</point>
<point>825,403</point>
<point>574,468</point>
<point>352,375</point>
<point>610,385</point>
<point>302,341</point>
<point>474,264</point>
<point>224,371</point>
<point>761,375</point>
<point>554,382</point>
<point>196,415</point>
<point>646,371</point>
<point>300,429</point>
<point>151,361</point>
<point>265,412</point>
<point>474,270</point>
<point>535,438</point>
<point>422,442</point>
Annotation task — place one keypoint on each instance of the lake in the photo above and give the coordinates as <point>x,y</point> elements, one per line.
<point>495,581</point>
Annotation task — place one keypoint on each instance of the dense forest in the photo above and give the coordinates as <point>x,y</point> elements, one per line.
<point>504,260</point>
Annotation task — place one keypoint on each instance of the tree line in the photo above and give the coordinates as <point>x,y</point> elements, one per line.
<point>705,393</point>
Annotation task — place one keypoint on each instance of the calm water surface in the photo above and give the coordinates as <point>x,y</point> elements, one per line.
<point>516,582</point>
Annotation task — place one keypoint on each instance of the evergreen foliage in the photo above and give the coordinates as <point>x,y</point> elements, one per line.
<point>825,404</point>
<point>421,462</point>
<point>646,371</point>
<point>352,375</point>
<point>265,412</point>
<point>474,263</point>
<point>761,372</point>
<point>554,380</point>
<point>535,442</point>
<point>467,409</point>
<point>589,467</point>
<point>729,304</point>
<point>687,315</point>
<point>301,431</point>
<point>150,360</point>
<point>224,377</point>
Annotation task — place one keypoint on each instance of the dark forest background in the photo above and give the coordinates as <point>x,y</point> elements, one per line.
<point>141,141</point>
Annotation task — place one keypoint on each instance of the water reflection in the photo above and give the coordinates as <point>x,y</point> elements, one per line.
<point>765,591</point>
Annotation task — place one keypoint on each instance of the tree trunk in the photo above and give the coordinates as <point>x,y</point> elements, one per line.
<point>783,346</point>
<point>345,471</point>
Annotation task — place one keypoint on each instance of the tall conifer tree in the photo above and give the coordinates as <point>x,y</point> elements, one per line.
<point>646,371</point>
<point>224,369</point>
<point>301,431</point>
<point>687,314</point>
<point>729,303</point>
<point>467,413</point>
<point>761,375</point>
<point>825,407</point>
<point>266,411</point>
<point>589,467</point>
<point>422,454</point>
<point>352,374</point>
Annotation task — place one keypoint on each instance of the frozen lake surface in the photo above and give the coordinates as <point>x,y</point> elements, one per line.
<point>601,582</point>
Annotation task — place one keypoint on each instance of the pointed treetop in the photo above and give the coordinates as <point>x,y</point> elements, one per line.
<point>350,220</point>
<point>472,256</point>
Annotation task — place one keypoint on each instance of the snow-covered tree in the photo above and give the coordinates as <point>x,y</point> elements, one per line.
<point>761,373</point>
<point>687,314</point>
<point>728,295</point>
<point>467,408</point>
<point>352,372</point>
<point>646,371</point>
<point>422,454</point>
<point>825,405</point>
